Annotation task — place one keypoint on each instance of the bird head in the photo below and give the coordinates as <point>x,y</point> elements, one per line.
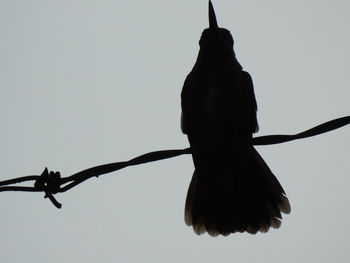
<point>214,36</point>
<point>216,47</point>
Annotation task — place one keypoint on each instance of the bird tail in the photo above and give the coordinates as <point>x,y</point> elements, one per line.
<point>251,201</point>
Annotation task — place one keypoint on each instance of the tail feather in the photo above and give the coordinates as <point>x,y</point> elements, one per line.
<point>254,203</point>
<point>282,200</point>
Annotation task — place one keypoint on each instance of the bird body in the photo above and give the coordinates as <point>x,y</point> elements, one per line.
<point>232,188</point>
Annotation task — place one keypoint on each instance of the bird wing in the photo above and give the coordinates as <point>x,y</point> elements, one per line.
<point>187,109</point>
<point>251,105</point>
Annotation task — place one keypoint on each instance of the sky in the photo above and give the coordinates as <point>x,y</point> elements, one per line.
<point>90,82</point>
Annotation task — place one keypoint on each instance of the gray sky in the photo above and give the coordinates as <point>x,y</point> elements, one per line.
<point>89,82</point>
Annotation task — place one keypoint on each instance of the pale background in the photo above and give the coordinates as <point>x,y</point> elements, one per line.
<point>89,82</point>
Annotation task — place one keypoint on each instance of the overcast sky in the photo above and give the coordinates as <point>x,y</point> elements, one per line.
<point>89,82</point>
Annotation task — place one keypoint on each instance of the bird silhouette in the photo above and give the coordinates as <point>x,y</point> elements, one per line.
<point>232,188</point>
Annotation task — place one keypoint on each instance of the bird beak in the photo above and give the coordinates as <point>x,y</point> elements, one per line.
<point>213,24</point>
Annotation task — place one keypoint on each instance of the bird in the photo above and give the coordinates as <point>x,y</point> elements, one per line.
<point>232,188</point>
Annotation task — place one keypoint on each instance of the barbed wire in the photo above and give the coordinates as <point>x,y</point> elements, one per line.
<point>52,183</point>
